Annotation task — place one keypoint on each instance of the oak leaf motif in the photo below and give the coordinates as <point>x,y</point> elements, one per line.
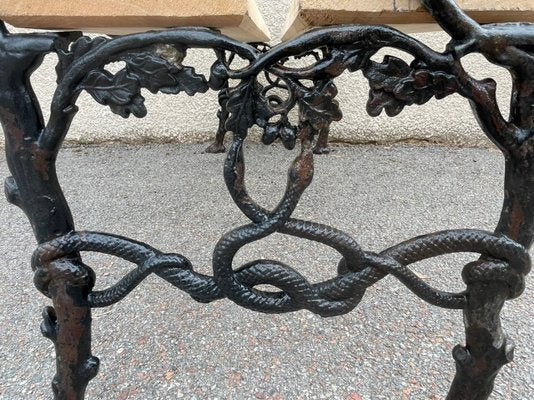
<point>395,84</point>
<point>121,92</point>
<point>318,107</point>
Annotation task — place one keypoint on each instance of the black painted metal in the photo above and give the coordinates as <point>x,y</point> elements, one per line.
<point>154,61</point>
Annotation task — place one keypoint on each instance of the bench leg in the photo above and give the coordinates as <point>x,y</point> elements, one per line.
<point>487,348</point>
<point>68,326</point>
<point>35,189</point>
<point>218,145</point>
<point>321,147</point>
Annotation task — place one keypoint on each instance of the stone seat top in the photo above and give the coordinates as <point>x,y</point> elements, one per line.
<point>239,19</point>
<point>407,15</point>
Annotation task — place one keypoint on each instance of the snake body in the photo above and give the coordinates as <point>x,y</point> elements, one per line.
<point>504,259</point>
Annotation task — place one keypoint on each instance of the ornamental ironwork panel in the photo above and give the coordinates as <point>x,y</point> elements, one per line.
<point>157,61</point>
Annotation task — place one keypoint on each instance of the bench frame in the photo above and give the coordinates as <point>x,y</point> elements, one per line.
<point>154,61</point>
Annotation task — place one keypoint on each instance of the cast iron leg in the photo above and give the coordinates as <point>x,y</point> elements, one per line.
<point>218,145</point>
<point>487,347</point>
<point>321,147</point>
<point>35,189</point>
<point>68,325</point>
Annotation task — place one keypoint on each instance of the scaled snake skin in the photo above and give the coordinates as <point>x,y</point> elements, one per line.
<point>503,259</point>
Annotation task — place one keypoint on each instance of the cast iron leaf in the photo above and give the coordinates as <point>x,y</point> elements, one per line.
<point>340,60</point>
<point>318,107</point>
<point>240,108</point>
<point>395,84</point>
<point>246,107</point>
<point>157,74</point>
<point>187,80</point>
<point>136,107</point>
<point>152,71</point>
<point>78,48</point>
<point>121,92</point>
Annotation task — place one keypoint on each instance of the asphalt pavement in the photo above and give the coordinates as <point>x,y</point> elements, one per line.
<point>160,344</point>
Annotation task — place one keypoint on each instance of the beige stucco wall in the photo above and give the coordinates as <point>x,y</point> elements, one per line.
<point>185,119</point>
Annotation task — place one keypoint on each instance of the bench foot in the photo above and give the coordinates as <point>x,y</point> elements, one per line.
<point>222,115</point>
<point>218,145</point>
<point>215,148</point>
<point>321,147</point>
<point>487,348</point>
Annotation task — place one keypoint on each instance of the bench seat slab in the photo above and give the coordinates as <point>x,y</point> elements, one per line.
<point>239,19</point>
<point>407,15</point>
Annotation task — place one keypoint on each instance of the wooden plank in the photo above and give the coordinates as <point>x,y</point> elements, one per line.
<point>240,19</point>
<point>406,15</point>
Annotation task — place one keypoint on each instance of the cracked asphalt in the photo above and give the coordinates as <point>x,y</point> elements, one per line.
<point>159,344</point>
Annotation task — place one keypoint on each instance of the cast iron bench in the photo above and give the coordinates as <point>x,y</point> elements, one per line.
<point>155,61</point>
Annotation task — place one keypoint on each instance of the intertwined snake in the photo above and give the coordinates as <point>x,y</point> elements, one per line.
<point>503,259</point>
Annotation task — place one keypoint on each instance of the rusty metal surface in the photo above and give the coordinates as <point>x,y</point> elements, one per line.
<point>155,61</point>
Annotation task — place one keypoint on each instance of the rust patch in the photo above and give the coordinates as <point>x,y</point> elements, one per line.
<point>517,219</point>
<point>11,129</point>
<point>240,175</point>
